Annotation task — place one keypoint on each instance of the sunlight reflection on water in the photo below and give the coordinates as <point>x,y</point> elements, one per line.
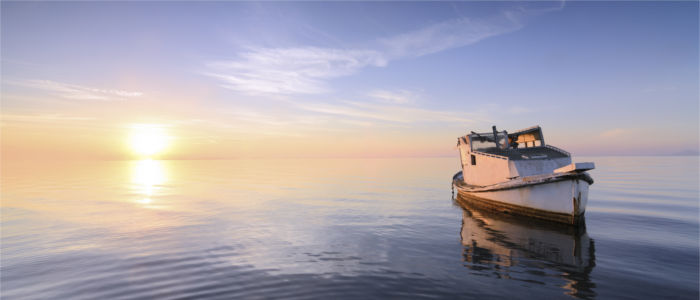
<point>148,176</point>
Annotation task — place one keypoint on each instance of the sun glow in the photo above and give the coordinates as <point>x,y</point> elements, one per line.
<point>148,139</point>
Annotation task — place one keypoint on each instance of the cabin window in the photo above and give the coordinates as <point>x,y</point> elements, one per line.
<point>473,160</point>
<point>485,141</point>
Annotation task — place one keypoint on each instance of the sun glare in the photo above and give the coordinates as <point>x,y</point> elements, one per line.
<point>148,139</point>
<point>148,176</point>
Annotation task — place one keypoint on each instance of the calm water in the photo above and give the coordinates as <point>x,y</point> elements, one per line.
<point>335,228</point>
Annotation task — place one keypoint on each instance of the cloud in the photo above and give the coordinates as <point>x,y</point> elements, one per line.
<point>388,113</point>
<point>660,88</point>
<point>42,118</point>
<point>290,70</point>
<point>395,97</point>
<point>305,70</point>
<point>77,92</point>
<point>449,34</point>
<point>250,123</point>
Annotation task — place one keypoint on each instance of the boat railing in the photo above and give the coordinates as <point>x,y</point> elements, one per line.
<point>491,155</point>
<point>558,149</point>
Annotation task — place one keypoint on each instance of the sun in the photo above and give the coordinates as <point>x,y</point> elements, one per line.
<point>148,139</point>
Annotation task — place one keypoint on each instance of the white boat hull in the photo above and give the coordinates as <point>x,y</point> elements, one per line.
<point>556,197</point>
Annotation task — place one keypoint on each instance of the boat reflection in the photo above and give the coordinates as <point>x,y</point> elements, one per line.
<point>516,248</point>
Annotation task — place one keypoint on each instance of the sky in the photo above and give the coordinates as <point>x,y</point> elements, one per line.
<point>224,80</point>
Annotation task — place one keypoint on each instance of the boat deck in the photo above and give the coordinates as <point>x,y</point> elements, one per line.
<point>458,181</point>
<point>526,153</point>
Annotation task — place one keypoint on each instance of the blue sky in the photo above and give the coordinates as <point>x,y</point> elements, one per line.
<point>355,79</point>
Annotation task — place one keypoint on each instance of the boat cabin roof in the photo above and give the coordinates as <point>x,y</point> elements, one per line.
<point>526,153</point>
<point>533,130</point>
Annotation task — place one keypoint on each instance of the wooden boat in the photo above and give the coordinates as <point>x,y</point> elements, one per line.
<point>518,173</point>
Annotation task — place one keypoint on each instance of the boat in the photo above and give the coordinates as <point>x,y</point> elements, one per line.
<point>517,173</point>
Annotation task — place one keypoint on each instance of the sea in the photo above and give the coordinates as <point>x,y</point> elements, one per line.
<point>336,229</point>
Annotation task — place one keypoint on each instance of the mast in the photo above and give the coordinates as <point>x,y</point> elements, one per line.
<point>495,136</point>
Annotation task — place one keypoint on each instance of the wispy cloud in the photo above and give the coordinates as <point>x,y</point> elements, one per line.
<point>450,34</point>
<point>395,96</point>
<point>360,111</point>
<point>77,92</point>
<point>250,123</point>
<point>43,118</point>
<point>305,70</point>
<point>660,88</point>
<point>290,70</point>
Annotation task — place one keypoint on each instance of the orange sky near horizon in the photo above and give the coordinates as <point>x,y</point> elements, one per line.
<point>76,139</point>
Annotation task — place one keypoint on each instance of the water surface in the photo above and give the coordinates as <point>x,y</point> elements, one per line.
<point>345,228</point>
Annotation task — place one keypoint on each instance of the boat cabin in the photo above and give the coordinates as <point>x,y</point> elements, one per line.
<point>498,156</point>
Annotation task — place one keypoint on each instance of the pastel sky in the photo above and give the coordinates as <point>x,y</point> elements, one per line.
<point>358,79</point>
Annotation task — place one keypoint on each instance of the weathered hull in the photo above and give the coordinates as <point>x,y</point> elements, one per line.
<point>557,197</point>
